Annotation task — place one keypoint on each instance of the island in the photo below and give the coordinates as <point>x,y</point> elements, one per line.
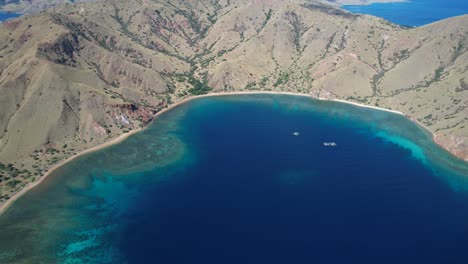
<point>74,77</point>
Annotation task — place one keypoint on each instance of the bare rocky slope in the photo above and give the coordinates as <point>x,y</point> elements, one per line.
<point>79,75</point>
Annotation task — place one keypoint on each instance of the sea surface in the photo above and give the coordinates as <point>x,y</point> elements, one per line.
<point>5,16</point>
<point>227,180</point>
<point>413,12</point>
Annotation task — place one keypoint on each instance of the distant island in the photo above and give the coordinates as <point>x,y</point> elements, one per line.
<point>33,6</point>
<point>76,76</point>
<point>362,2</point>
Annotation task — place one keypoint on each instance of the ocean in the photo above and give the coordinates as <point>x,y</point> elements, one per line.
<point>414,12</point>
<point>5,16</point>
<point>248,179</point>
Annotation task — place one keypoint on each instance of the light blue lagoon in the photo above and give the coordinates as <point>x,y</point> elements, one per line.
<point>413,12</point>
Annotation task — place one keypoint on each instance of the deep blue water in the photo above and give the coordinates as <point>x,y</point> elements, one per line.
<point>413,12</point>
<point>5,16</point>
<point>224,180</point>
<point>260,195</point>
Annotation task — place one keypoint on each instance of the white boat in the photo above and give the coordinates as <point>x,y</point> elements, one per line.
<point>296,134</point>
<point>329,144</point>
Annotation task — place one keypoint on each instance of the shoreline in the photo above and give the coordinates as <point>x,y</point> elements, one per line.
<point>9,202</point>
<point>365,3</point>
<point>15,197</point>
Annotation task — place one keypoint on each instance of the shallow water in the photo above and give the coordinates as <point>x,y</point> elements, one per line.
<point>413,12</point>
<point>224,180</point>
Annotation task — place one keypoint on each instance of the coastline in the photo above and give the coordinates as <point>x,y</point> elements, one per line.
<point>30,186</point>
<point>369,2</point>
<point>10,202</point>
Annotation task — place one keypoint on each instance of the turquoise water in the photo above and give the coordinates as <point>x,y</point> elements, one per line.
<point>224,180</point>
<point>413,12</point>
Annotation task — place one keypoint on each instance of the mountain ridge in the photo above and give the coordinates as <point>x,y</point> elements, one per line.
<point>33,6</point>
